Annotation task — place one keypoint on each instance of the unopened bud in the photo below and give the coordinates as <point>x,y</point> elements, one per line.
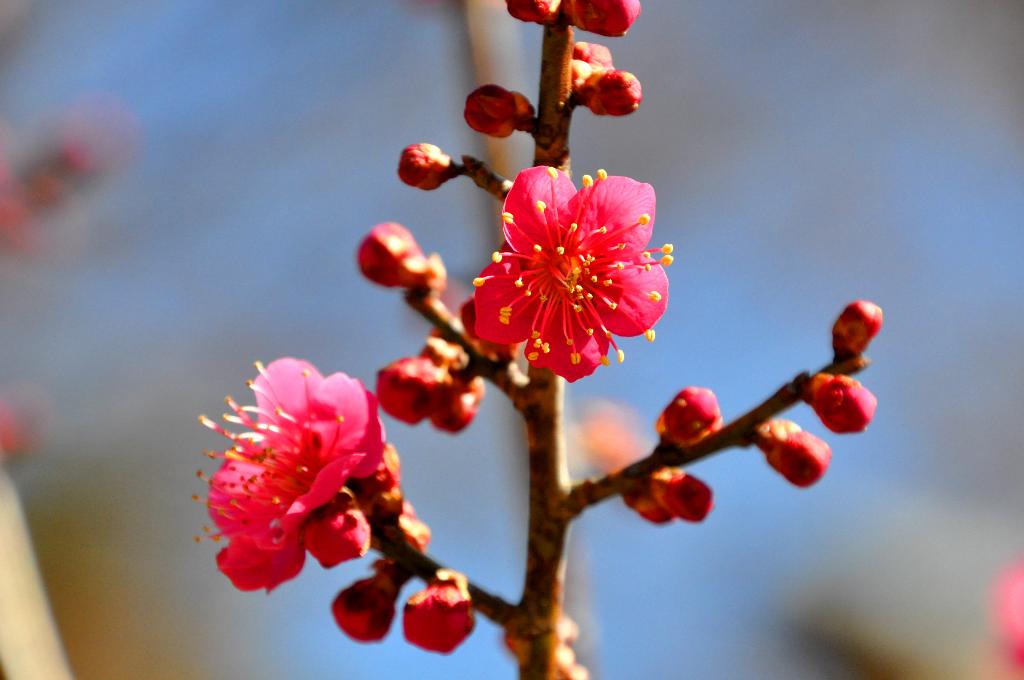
<point>498,112</point>
<point>604,17</point>
<point>440,617</point>
<point>616,93</point>
<point>365,610</point>
<point>798,456</point>
<point>425,166</point>
<point>458,404</point>
<point>408,389</point>
<point>536,11</point>
<point>842,403</point>
<point>685,496</point>
<point>691,415</point>
<point>590,61</point>
<point>855,327</point>
<point>337,533</point>
<point>643,497</point>
<point>389,256</point>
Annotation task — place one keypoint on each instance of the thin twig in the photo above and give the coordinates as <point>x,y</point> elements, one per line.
<point>397,550</point>
<point>504,374</point>
<point>739,432</point>
<point>485,178</point>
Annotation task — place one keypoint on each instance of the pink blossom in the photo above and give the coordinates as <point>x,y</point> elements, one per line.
<point>309,435</point>
<point>575,270</point>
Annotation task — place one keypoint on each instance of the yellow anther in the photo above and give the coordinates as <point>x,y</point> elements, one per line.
<point>519,283</point>
<point>621,355</point>
<point>527,292</point>
<point>593,279</point>
<point>620,266</point>
<point>552,173</point>
<point>560,250</point>
<point>654,295</point>
<point>621,246</point>
<point>644,219</point>
<point>601,174</point>
<point>647,255</point>
<point>647,267</point>
<point>607,282</point>
<point>533,356</point>
<point>538,343</point>
<point>649,334</point>
<point>667,260</point>
<point>613,305</point>
<point>668,248</point>
<point>568,341</point>
<point>543,298</point>
<point>479,281</point>
<point>541,206</point>
<point>535,334</point>
<point>602,230</point>
<point>605,362</point>
<point>537,248</point>
<point>577,308</point>
<point>590,296</point>
<point>588,181</point>
<point>573,227</point>
<point>507,217</point>
<point>590,331</point>
<point>495,257</point>
<point>607,334</point>
<point>575,358</point>
<point>546,348</point>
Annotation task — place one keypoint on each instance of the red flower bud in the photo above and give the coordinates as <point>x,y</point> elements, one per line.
<point>798,456</point>
<point>458,404</point>
<point>415,531</point>
<point>604,17</point>
<point>365,610</point>
<point>617,93</point>
<point>593,54</point>
<point>495,111</point>
<point>842,403</point>
<point>685,496</point>
<point>536,11</point>
<point>445,355</point>
<point>425,166</point>
<point>337,534</point>
<point>644,497</point>
<point>389,256</point>
<point>408,389</point>
<point>692,415</point>
<point>440,617</point>
<point>855,327</point>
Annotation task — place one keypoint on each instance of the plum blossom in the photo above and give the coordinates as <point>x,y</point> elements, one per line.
<point>575,269</point>
<point>306,436</point>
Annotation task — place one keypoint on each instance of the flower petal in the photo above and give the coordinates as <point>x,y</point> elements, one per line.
<point>285,383</point>
<point>641,298</point>
<point>500,300</point>
<point>529,225</point>
<point>325,487</point>
<point>618,204</point>
<point>358,432</point>
<point>574,361</point>
<point>251,567</point>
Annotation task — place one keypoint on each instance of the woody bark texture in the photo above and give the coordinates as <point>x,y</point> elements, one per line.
<point>541,604</point>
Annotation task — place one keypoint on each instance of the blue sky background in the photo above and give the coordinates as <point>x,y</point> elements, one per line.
<point>804,154</point>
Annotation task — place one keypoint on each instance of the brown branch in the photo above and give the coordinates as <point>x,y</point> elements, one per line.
<point>387,543</point>
<point>739,432</point>
<point>504,374</point>
<point>541,603</point>
<point>485,178</point>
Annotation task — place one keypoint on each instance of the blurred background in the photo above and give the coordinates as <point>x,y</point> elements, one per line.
<point>805,153</point>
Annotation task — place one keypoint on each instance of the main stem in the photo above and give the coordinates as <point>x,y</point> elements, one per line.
<point>541,604</point>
